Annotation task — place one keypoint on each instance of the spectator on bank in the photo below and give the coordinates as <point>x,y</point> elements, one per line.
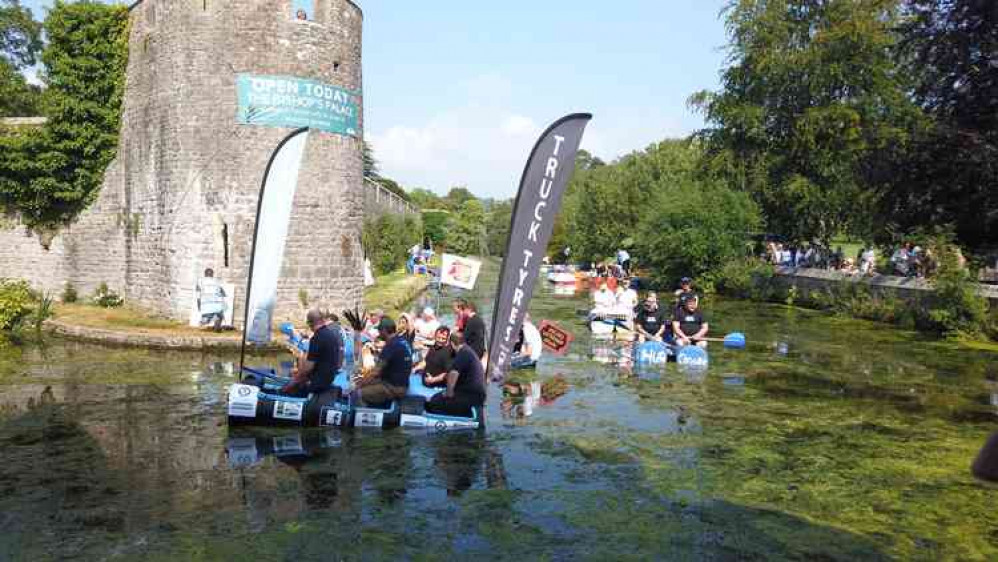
<point>211,300</point>
<point>901,259</point>
<point>868,261</point>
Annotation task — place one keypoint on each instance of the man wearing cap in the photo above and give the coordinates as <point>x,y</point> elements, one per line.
<point>325,357</point>
<point>688,324</point>
<point>685,288</point>
<point>390,379</point>
<point>426,326</point>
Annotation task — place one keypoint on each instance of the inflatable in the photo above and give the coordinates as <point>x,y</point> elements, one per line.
<point>256,401</point>
<point>652,353</point>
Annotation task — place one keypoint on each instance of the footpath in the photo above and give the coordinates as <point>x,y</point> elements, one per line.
<point>128,326</point>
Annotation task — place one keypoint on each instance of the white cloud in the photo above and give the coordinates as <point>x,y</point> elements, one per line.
<point>484,145</point>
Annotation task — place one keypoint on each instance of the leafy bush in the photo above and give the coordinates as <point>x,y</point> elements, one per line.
<point>106,298</point>
<point>956,307</point>
<point>745,278</point>
<point>435,225</point>
<point>16,303</point>
<point>387,239</point>
<point>49,175</point>
<point>69,294</point>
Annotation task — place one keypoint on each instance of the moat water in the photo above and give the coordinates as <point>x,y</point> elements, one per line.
<point>825,439</point>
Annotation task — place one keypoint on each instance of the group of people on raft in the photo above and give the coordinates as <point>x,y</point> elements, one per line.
<point>682,324</point>
<point>452,360</point>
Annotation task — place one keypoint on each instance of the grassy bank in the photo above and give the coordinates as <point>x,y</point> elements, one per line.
<point>126,318</point>
<point>394,291</point>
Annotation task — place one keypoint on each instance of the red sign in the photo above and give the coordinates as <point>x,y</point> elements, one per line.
<point>554,338</point>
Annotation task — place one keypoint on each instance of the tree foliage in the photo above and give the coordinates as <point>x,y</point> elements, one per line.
<point>387,239</point>
<point>50,175</point>
<point>949,174</point>
<point>466,232</point>
<point>20,41</point>
<point>656,203</point>
<point>20,34</point>
<point>810,101</point>
<point>435,222</point>
<point>497,226</point>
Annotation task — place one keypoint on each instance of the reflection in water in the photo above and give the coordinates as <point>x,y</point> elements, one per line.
<point>520,398</point>
<point>124,454</point>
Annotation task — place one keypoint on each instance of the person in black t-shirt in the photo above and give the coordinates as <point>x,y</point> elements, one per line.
<point>650,322</point>
<point>474,331</point>
<point>465,382</point>
<point>688,324</point>
<point>438,359</point>
<point>324,359</point>
<point>390,379</point>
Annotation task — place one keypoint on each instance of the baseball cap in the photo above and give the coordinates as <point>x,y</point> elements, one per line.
<point>428,311</point>
<point>685,280</point>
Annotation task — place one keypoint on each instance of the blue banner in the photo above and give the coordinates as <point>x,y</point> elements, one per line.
<point>285,101</point>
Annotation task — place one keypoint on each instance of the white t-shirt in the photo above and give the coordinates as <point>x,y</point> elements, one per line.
<point>532,337</point>
<point>604,300</point>
<point>426,329</point>
<point>627,300</point>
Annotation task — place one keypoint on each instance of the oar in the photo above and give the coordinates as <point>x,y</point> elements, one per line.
<point>734,340</point>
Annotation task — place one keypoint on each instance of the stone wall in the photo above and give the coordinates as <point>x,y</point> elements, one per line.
<point>908,288</point>
<point>181,195</point>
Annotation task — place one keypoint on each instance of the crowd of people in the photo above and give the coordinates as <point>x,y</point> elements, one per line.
<point>681,324</point>
<point>907,260</point>
<point>449,359</point>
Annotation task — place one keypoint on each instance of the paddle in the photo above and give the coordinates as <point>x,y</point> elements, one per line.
<point>734,340</point>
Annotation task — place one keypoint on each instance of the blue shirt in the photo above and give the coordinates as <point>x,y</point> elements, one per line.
<point>396,362</point>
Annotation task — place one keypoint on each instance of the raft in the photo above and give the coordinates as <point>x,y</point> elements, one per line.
<point>256,401</point>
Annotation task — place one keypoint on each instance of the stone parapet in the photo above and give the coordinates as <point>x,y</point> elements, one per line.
<point>911,288</point>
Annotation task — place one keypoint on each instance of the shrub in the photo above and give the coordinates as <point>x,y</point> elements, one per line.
<point>16,303</point>
<point>106,298</point>
<point>956,307</point>
<point>69,293</point>
<point>744,278</point>
<point>435,225</point>
<point>387,239</point>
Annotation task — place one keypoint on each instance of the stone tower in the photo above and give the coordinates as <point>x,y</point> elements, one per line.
<point>181,195</point>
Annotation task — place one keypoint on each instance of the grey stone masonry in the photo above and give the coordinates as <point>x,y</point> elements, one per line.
<point>181,195</point>
<point>909,288</point>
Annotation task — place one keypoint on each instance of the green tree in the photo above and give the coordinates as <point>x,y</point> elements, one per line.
<point>466,234</point>
<point>20,41</point>
<point>20,34</point>
<point>949,175</point>
<point>456,197</point>
<point>425,199</point>
<point>694,228</point>
<point>49,176</point>
<point>370,162</point>
<point>811,100</point>
<point>497,226</point>
<point>435,224</point>
<point>387,238</point>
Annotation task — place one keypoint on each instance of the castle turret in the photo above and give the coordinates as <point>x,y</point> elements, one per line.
<point>182,194</point>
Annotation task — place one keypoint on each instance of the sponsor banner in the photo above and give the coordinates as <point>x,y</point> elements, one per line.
<point>459,272</point>
<point>286,101</point>
<point>537,202</point>
<point>272,219</point>
<point>243,400</point>
<point>555,338</point>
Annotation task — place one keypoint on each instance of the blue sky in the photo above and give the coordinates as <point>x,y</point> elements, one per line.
<point>456,92</point>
